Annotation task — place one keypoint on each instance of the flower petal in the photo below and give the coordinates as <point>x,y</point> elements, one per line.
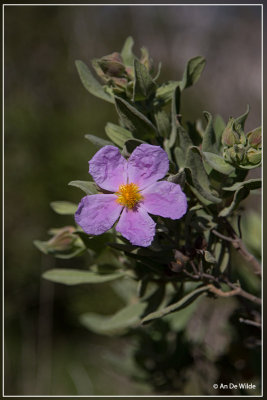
<point>136,226</point>
<point>97,213</point>
<point>108,168</point>
<point>165,199</point>
<point>147,164</point>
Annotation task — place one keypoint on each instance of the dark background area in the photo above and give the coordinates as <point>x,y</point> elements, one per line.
<point>47,113</point>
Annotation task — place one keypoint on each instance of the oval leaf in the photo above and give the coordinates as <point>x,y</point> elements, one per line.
<point>192,72</point>
<point>90,83</point>
<point>198,174</point>
<point>64,207</point>
<point>251,184</point>
<point>218,163</point>
<point>144,86</point>
<point>76,276</point>
<point>126,52</point>
<point>117,323</point>
<point>85,186</point>
<point>240,195</point>
<point>134,120</point>
<point>117,134</point>
<point>97,141</point>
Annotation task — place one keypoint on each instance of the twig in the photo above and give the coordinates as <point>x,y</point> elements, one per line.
<point>249,322</point>
<point>221,293</point>
<point>238,244</point>
<point>241,248</point>
<point>243,293</point>
<point>238,290</point>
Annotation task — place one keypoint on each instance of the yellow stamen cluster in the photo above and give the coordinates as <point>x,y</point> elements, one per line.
<point>128,195</point>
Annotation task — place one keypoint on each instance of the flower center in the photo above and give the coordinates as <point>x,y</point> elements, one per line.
<point>128,195</point>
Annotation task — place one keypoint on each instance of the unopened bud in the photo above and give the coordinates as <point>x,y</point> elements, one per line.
<point>63,239</point>
<point>109,66</point>
<point>230,136</point>
<point>254,156</point>
<point>254,138</point>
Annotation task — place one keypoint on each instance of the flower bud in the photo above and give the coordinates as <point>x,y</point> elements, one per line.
<point>110,66</point>
<point>63,239</point>
<point>235,154</point>
<point>254,156</point>
<point>254,138</point>
<point>230,136</point>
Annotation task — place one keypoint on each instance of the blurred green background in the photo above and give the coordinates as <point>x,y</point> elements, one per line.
<point>47,113</point>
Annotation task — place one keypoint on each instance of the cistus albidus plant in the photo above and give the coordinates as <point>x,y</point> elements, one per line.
<point>162,222</point>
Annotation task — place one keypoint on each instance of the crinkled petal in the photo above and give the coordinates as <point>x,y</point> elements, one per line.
<point>108,168</point>
<point>147,164</point>
<point>165,199</point>
<point>97,213</point>
<point>136,226</point>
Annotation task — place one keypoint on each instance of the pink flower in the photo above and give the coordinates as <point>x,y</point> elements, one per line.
<point>136,191</point>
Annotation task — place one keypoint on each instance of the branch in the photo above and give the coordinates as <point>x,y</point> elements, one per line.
<point>249,322</point>
<point>238,244</point>
<point>237,290</point>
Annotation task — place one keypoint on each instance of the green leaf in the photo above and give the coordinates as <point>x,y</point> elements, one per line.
<point>174,113</point>
<point>198,174</point>
<point>64,207</point>
<point>126,52</point>
<point>209,257</point>
<point>164,93</point>
<point>85,186</point>
<point>242,119</point>
<point>185,301</point>
<point>224,258</point>
<point>210,143</point>
<point>178,178</point>
<point>239,195</point>
<point>117,134</point>
<point>163,123</point>
<point>109,325</point>
<point>251,184</point>
<point>144,86</point>
<point>218,126</point>
<point>97,141</point>
<point>192,72</point>
<point>76,276</point>
<point>218,163</point>
<point>90,83</point>
<point>46,248</point>
<point>134,120</point>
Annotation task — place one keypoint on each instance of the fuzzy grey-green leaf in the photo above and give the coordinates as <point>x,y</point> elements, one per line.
<point>192,71</point>
<point>108,325</point>
<point>76,276</point>
<point>126,52</point>
<point>251,184</point>
<point>218,163</point>
<point>97,141</point>
<point>117,134</point>
<point>134,120</point>
<point>199,176</point>
<point>90,83</point>
<point>239,195</point>
<point>144,86</point>
<point>86,186</point>
<point>64,207</point>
